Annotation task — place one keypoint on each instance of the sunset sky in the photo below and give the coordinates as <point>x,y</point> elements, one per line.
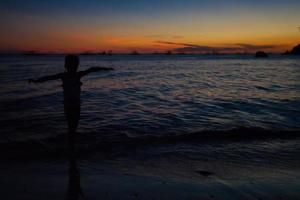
<point>149,26</point>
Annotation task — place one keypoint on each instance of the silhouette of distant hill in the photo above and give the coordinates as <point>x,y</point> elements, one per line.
<point>294,51</point>
<point>261,54</point>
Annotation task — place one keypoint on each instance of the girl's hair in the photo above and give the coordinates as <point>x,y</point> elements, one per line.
<point>71,63</point>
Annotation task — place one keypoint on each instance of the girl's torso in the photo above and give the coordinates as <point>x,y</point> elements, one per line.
<point>72,88</point>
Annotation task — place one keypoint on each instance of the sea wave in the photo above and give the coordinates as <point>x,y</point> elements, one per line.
<point>89,142</point>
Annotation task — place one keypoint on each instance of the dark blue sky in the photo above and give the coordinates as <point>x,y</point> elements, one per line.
<point>140,6</point>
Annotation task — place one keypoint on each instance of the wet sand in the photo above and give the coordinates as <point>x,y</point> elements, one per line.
<point>163,177</point>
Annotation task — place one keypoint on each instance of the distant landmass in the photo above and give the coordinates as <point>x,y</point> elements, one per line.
<point>33,53</point>
<point>294,51</point>
<point>261,54</point>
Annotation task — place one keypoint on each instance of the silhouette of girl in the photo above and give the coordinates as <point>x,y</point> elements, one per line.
<point>71,88</point>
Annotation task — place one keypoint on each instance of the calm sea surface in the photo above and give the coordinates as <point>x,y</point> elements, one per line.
<point>152,95</point>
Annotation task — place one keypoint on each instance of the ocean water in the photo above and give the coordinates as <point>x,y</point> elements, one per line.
<point>152,95</point>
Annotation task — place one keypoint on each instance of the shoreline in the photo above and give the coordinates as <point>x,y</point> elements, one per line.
<point>55,146</point>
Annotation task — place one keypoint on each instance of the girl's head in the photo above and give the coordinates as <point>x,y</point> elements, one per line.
<point>71,63</point>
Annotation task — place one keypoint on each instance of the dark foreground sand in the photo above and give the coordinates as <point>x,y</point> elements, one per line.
<point>165,177</point>
<point>252,169</point>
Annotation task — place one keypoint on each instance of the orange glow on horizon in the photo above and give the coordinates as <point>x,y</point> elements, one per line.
<point>77,44</point>
<point>193,26</point>
<point>145,41</point>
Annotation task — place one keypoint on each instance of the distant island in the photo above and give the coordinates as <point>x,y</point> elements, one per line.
<point>294,51</point>
<point>261,54</point>
<point>33,53</point>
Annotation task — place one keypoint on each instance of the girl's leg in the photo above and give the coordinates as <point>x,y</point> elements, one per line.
<point>73,115</point>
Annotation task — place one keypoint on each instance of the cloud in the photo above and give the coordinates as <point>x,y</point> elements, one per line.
<point>176,43</point>
<point>256,47</point>
<point>198,48</point>
<point>206,49</point>
<point>231,48</point>
<point>164,36</point>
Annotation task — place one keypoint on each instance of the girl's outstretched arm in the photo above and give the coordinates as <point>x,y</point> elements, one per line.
<point>46,78</point>
<point>94,69</point>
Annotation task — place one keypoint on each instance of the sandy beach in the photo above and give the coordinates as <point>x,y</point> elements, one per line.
<point>136,174</point>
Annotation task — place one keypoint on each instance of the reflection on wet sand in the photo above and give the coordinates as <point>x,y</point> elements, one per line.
<point>74,190</point>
